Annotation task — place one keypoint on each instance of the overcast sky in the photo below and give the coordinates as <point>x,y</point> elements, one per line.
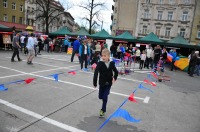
<point>78,12</point>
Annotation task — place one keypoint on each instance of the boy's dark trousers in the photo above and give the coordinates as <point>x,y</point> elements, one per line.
<point>84,58</point>
<point>16,52</point>
<point>141,64</point>
<point>103,94</point>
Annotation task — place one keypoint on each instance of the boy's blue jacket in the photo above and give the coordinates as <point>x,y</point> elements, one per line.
<point>82,48</point>
<point>76,45</point>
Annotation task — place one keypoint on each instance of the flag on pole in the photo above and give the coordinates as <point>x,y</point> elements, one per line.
<point>55,76</point>
<point>3,88</point>
<point>142,87</point>
<point>131,98</point>
<point>125,114</point>
<point>154,75</point>
<point>149,82</point>
<point>29,80</point>
<point>72,72</point>
<point>120,113</point>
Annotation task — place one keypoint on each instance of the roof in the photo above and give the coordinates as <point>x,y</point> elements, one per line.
<point>179,41</point>
<point>17,26</point>
<point>2,26</point>
<point>81,32</point>
<point>125,36</point>
<point>151,38</point>
<point>61,32</point>
<point>68,14</point>
<point>101,35</point>
<point>5,28</point>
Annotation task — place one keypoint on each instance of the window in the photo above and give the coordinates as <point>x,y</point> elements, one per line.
<point>186,2</point>
<point>14,6</point>
<point>13,19</point>
<point>161,1</point>
<point>198,34</point>
<point>146,14</point>
<point>115,9</point>
<point>158,31</point>
<point>160,15</point>
<point>182,32</point>
<point>20,20</point>
<point>170,15</point>
<point>171,2</point>
<point>114,21</point>
<point>21,8</point>
<point>5,3</point>
<point>144,31</point>
<point>185,16</point>
<point>5,17</point>
<point>167,32</point>
<point>148,1</point>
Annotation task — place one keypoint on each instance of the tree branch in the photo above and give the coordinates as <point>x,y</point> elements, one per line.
<point>55,17</point>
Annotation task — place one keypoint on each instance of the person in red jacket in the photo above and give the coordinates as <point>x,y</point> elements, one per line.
<point>105,69</point>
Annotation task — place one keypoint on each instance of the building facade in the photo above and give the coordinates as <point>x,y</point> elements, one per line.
<point>165,18</point>
<point>195,36</point>
<point>124,16</point>
<point>12,14</point>
<point>54,24</point>
<point>30,12</point>
<point>68,21</point>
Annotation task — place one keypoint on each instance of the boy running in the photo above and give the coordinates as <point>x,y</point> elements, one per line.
<point>105,69</point>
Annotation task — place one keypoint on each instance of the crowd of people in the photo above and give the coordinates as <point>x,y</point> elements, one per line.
<point>89,52</point>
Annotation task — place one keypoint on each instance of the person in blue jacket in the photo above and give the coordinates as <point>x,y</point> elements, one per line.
<point>84,52</point>
<point>174,55</point>
<point>76,46</point>
<point>66,43</point>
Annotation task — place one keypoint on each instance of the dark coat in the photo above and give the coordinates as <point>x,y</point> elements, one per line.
<point>106,74</point>
<point>193,60</point>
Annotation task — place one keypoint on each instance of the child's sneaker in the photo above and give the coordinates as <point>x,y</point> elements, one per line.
<point>101,114</point>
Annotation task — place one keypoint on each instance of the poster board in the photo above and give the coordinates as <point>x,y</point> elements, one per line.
<point>109,43</point>
<point>69,51</point>
<point>6,39</point>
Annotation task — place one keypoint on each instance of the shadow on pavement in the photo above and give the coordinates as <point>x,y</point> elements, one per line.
<point>91,124</point>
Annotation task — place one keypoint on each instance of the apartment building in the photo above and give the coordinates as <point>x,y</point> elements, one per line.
<point>166,18</point>
<point>12,14</point>
<point>124,16</point>
<point>30,12</point>
<point>195,35</point>
<point>68,21</point>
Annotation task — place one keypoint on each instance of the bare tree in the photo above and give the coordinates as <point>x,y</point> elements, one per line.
<point>93,8</point>
<point>48,11</point>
